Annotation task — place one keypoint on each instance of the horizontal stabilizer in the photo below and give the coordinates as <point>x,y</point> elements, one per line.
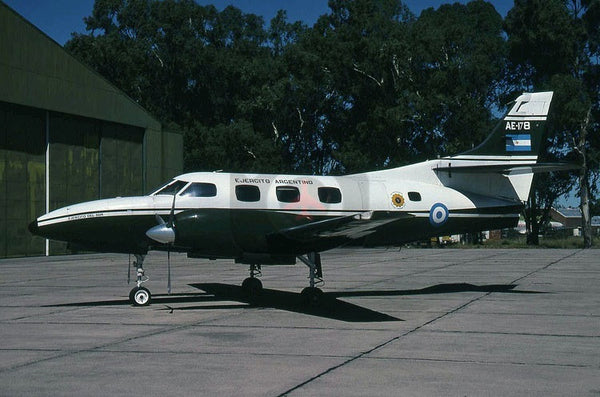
<point>506,169</point>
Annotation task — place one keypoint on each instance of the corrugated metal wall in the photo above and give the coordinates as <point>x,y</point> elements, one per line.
<point>22,178</point>
<point>89,159</point>
<point>121,160</point>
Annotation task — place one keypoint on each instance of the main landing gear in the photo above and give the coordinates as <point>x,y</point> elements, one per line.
<point>311,294</point>
<point>140,296</point>
<point>252,287</point>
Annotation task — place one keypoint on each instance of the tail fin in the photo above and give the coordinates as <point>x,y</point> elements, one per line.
<point>504,164</point>
<point>519,134</point>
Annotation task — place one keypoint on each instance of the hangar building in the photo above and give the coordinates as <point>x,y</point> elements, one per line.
<point>67,135</point>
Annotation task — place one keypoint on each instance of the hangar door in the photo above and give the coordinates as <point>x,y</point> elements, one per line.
<point>22,178</point>
<point>121,160</point>
<point>92,159</point>
<point>88,159</point>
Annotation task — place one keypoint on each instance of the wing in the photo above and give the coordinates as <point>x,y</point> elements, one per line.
<point>333,232</point>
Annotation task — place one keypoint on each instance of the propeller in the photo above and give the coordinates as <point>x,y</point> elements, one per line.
<point>164,233</point>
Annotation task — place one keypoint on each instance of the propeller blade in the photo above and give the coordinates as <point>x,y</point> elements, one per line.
<point>129,270</point>
<point>172,213</point>
<point>169,270</point>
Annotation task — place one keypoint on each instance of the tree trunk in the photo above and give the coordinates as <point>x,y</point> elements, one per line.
<point>533,227</point>
<point>586,220</point>
<point>584,190</point>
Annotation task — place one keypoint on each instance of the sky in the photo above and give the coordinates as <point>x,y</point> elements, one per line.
<point>59,18</point>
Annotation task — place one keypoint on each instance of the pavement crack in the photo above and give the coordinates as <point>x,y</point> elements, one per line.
<point>163,330</point>
<point>425,324</point>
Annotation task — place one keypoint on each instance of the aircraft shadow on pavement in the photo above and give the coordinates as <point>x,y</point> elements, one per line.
<point>329,307</point>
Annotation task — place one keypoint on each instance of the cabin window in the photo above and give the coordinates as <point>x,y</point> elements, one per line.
<point>247,193</point>
<point>200,190</point>
<point>172,188</point>
<point>330,195</point>
<point>288,194</point>
<point>414,196</point>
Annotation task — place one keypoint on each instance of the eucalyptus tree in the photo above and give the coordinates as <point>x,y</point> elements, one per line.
<point>458,60</point>
<point>356,58</point>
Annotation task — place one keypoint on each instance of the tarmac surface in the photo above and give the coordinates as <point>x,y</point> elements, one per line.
<point>422,322</point>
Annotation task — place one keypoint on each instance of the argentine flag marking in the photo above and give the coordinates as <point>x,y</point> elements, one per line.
<point>518,142</point>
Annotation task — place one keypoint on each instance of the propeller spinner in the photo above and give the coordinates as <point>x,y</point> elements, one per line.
<point>164,232</point>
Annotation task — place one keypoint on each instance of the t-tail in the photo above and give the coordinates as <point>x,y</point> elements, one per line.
<point>504,164</point>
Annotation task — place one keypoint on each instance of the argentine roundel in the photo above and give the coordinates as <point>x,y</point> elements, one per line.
<point>438,215</point>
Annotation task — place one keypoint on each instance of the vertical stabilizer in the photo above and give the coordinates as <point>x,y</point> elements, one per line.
<point>519,134</point>
<point>498,166</point>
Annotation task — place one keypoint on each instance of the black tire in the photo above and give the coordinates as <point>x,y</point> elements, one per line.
<point>312,296</point>
<point>252,287</point>
<point>140,296</point>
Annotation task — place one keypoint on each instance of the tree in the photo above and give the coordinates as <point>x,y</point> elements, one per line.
<point>459,55</point>
<point>353,61</point>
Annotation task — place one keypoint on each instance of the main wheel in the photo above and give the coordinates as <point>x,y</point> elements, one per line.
<point>312,296</point>
<point>252,287</point>
<point>140,296</point>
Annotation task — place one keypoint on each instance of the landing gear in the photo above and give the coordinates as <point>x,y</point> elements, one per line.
<point>311,294</point>
<point>140,296</point>
<point>252,286</point>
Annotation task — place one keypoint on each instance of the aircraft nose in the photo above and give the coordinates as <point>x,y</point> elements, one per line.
<point>33,228</point>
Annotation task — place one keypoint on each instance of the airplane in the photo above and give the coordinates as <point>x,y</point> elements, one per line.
<point>269,219</point>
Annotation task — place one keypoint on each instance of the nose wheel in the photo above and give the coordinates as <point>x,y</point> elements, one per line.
<point>140,296</point>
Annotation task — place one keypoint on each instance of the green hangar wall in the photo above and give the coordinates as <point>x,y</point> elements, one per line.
<point>67,135</point>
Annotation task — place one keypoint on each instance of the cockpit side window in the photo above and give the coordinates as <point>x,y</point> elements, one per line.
<point>171,188</point>
<point>200,190</point>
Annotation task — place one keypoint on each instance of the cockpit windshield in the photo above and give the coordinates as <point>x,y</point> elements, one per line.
<point>170,188</point>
